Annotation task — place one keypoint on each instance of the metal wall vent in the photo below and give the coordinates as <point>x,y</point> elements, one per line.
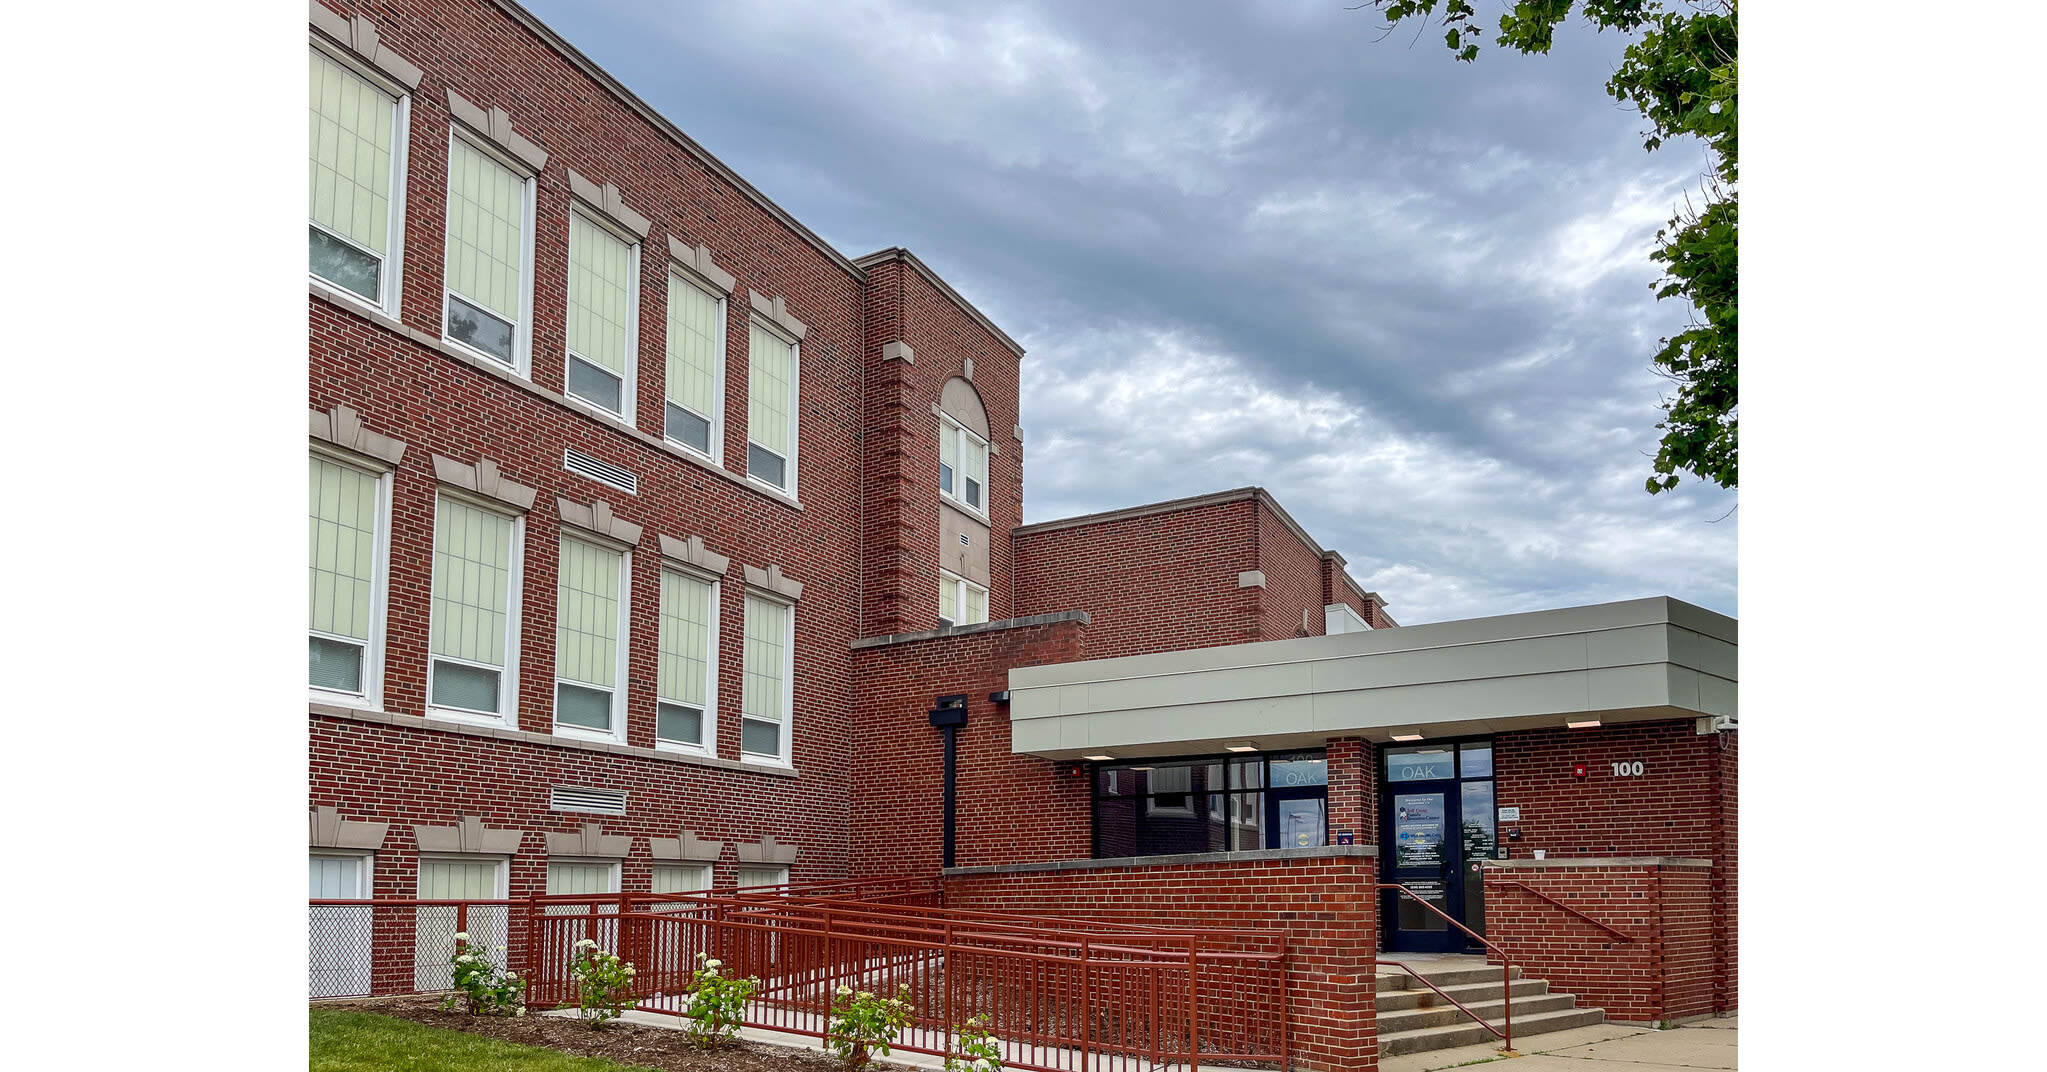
<point>594,801</point>
<point>603,472</point>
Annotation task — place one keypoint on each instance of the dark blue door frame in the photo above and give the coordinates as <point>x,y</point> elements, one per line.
<point>1430,805</point>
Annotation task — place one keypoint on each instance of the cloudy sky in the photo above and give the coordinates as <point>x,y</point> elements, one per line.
<point>1251,243</point>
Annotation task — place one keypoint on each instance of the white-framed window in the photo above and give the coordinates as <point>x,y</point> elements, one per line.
<point>338,936</point>
<point>962,466</point>
<point>604,304</point>
<point>488,286</point>
<point>456,878</point>
<point>591,609</point>
<point>681,878</point>
<point>960,601</point>
<point>762,875</point>
<point>686,677</point>
<point>771,408</point>
<point>768,679</point>
<point>473,632</point>
<point>693,416</point>
<point>348,551</point>
<point>581,878</point>
<point>356,175</point>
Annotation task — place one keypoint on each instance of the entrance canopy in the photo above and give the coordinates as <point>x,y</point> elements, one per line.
<point>1636,661</point>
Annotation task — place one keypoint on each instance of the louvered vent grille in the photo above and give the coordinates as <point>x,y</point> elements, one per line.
<point>593,801</point>
<point>603,472</point>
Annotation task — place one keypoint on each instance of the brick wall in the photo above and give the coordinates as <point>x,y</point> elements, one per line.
<point>1010,808</point>
<point>902,499</point>
<point>1323,904</point>
<point>1666,970</point>
<point>1293,581</point>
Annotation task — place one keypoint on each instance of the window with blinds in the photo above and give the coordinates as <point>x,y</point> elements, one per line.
<point>696,351</point>
<point>683,675</point>
<point>763,876</point>
<point>486,266</point>
<point>342,539</point>
<point>764,727</point>
<point>770,407</point>
<point>471,607</point>
<point>601,314</point>
<point>353,128</point>
<point>681,878</point>
<point>586,638</point>
<point>579,878</point>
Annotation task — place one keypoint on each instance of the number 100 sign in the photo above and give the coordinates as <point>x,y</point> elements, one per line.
<point>1625,769</point>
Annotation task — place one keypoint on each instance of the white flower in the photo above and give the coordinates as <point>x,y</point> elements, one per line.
<point>715,965</point>
<point>501,949</point>
<point>844,990</point>
<point>461,936</point>
<point>629,970</point>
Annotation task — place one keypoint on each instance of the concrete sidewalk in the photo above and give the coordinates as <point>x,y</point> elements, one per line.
<point>1707,1044</point>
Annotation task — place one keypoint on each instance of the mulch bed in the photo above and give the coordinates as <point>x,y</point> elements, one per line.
<point>627,1044</point>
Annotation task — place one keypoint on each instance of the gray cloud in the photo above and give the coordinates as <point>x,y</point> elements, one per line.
<point>1252,244</point>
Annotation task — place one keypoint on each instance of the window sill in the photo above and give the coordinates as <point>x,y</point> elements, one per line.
<point>962,507</point>
<point>477,729</point>
<point>339,299</point>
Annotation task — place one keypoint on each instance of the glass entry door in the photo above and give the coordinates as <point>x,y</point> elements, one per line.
<point>1437,824</point>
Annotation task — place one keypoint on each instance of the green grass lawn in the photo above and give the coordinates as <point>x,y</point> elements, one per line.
<point>347,1041</point>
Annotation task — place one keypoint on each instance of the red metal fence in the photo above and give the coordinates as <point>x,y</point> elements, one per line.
<point>1060,993</point>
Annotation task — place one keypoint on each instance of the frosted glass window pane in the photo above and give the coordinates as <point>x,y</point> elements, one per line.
<point>470,688</point>
<point>486,230</point>
<point>765,464</point>
<point>352,126</point>
<point>564,879</point>
<point>596,386</point>
<point>694,347</point>
<point>472,582</point>
<point>768,395</point>
<point>586,614</point>
<point>341,536</point>
<point>335,665</point>
<point>766,676</point>
<point>688,429</point>
<point>683,672</point>
<point>331,878</point>
<point>575,705</point>
<point>688,879</point>
<point>600,294</point>
<point>683,725</point>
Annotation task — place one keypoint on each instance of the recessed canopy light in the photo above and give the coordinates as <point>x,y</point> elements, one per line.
<point>1140,768</point>
<point>1589,724</point>
<point>1407,736</point>
<point>1104,758</point>
<point>1243,746</point>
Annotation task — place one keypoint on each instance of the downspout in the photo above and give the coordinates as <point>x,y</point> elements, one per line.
<point>949,716</point>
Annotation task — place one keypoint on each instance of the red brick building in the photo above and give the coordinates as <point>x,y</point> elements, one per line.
<point>647,530</point>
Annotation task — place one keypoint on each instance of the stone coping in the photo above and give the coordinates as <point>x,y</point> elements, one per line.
<point>1602,861</point>
<point>548,740</point>
<point>1178,860</point>
<point>1080,616</point>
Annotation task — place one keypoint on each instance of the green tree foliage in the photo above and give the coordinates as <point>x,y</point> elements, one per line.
<point>1680,74</point>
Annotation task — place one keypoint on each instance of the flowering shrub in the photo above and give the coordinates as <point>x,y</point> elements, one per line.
<point>978,1050</point>
<point>864,1024</point>
<point>714,1004</point>
<point>485,988</point>
<point>604,984</point>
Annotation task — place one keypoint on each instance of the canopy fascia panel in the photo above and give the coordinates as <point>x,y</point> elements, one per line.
<point>1641,660</point>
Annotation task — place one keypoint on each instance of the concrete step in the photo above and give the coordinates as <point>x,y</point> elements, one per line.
<point>1491,1012</point>
<point>1421,997</point>
<point>1397,978</point>
<point>1467,1033</point>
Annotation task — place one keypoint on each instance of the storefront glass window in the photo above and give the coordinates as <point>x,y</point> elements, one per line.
<point>1421,763</point>
<point>1476,759</point>
<point>1221,804</point>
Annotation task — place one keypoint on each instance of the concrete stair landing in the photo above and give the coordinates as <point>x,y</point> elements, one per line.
<point>1414,1018</point>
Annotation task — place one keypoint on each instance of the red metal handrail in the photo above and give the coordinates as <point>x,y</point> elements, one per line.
<point>1561,906</point>
<point>1506,1037</point>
